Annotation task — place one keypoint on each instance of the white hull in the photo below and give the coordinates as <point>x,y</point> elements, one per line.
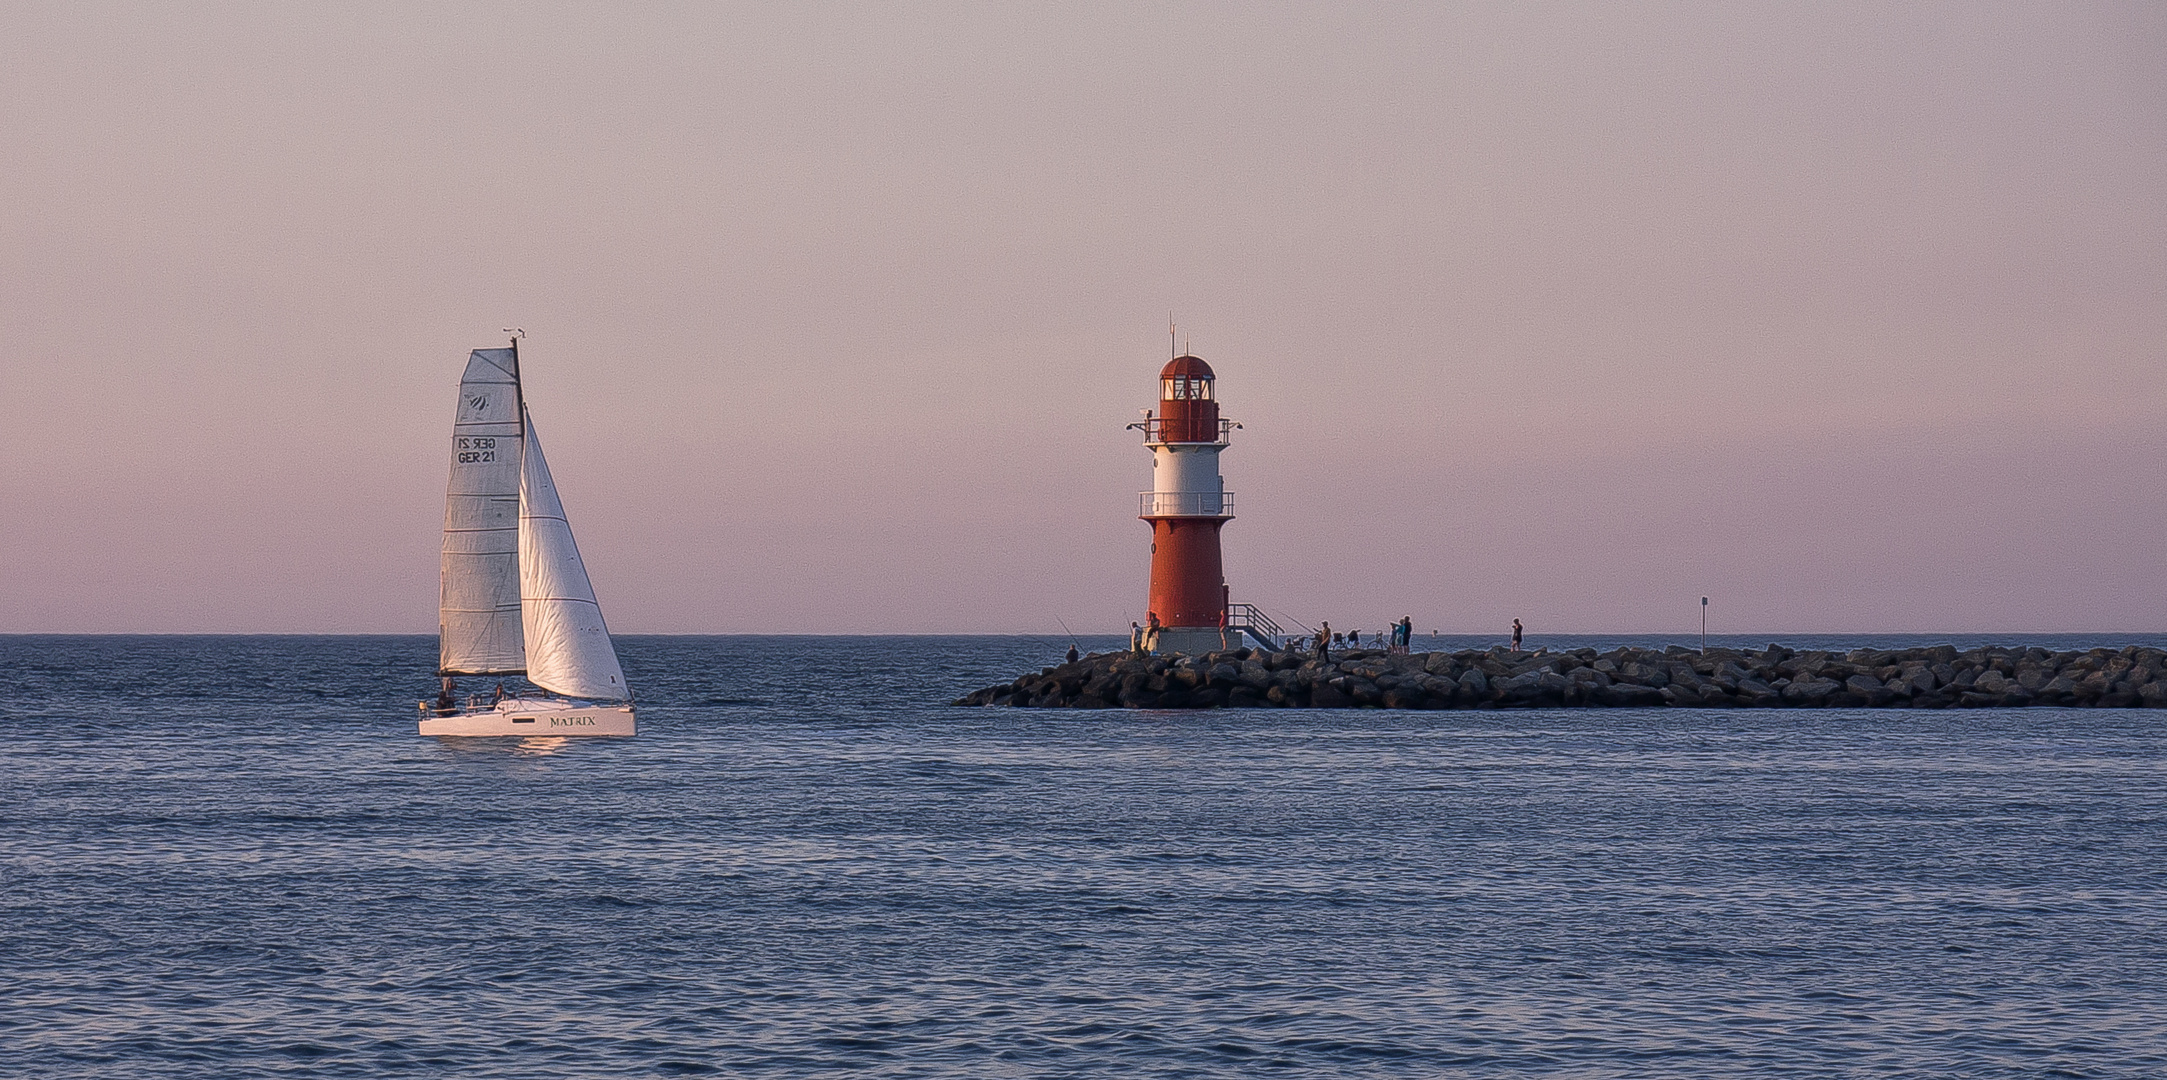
<point>536,717</point>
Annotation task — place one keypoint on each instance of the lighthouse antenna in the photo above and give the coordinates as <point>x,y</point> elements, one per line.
<point>1169,335</point>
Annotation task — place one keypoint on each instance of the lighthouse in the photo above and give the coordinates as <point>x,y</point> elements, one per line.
<point>1186,506</point>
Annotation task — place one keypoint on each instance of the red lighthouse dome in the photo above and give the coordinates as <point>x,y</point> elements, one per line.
<point>1186,366</point>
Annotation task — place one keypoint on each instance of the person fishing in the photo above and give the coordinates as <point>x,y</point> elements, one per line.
<point>1073,644</point>
<point>1136,639</point>
<point>1324,639</point>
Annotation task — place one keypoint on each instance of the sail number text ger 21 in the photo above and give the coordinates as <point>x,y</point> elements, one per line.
<point>473,450</point>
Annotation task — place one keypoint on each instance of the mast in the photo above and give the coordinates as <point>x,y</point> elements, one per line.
<point>519,389</point>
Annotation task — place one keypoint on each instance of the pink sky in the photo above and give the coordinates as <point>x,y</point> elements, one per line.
<point>1851,317</point>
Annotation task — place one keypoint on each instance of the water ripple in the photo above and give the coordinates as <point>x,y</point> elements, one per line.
<point>231,857</point>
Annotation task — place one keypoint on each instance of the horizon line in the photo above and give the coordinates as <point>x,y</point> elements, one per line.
<point>1774,636</point>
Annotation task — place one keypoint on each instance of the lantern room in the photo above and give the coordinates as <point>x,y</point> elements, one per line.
<point>1188,405</point>
<point>1185,378</point>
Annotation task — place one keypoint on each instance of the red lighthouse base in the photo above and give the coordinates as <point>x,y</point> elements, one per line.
<point>1188,584</point>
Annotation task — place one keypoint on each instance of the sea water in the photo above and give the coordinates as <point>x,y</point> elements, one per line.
<point>232,857</point>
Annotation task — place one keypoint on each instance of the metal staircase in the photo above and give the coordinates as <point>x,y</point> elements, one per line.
<point>1251,620</point>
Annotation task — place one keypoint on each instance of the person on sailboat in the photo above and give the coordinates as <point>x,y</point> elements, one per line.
<point>497,694</point>
<point>446,704</point>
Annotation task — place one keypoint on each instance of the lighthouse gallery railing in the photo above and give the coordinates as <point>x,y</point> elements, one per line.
<point>1161,429</point>
<point>1185,504</point>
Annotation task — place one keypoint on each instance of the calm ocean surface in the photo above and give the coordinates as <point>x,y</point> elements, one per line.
<point>232,856</point>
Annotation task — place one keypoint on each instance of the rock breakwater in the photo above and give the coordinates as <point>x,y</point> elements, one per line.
<point>1937,677</point>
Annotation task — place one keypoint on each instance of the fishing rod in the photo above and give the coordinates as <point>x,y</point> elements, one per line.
<point>1071,634</point>
<point>1039,641</point>
<point>1296,621</point>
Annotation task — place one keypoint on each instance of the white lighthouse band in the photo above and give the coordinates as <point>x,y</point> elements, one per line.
<point>1185,480</point>
<point>1184,476</point>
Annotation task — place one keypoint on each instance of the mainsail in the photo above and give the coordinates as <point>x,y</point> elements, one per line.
<point>478,608</point>
<point>568,647</point>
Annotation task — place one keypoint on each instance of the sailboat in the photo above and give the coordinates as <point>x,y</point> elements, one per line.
<point>515,599</point>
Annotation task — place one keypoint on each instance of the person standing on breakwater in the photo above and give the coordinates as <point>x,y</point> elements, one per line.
<point>1516,635</point>
<point>1072,654</point>
<point>1324,638</point>
<point>1136,639</point>
<point>1151,631</point>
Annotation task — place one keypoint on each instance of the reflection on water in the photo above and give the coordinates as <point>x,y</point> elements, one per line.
<point>541,745</point>
<point>498,747</point>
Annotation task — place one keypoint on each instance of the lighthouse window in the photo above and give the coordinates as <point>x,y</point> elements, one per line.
<point>1187,389</point>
